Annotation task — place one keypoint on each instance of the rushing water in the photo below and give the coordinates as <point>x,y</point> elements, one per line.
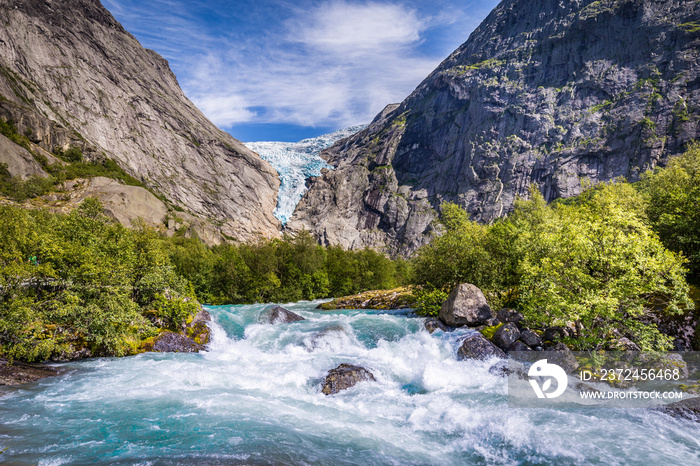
<point>254,398</point>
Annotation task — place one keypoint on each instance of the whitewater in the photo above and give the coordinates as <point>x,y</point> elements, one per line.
<point>296,162</point>
<point>255,398</point>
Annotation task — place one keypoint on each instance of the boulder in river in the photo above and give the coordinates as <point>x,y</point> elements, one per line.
<point>431,324</point>
<point>466,305</point>
<point>345,376</point>
<point>171,342</point>
<point>686,409</point>
<point>279,315</point>
<point>477,347</point>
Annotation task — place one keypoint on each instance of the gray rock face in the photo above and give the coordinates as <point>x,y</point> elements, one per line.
<point>477,347</point>
<point>171,342</point>
<point>280,315</point>
<point>345,376</point>
<point>505,336</point>
<point>466,305</point>
<point>530,338</point>
<point>19,161</point>
<point>545,92</point>
<point>686,409</point>
<point>71,75</point>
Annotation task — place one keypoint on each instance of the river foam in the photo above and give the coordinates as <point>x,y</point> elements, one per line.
<point>255,398</point>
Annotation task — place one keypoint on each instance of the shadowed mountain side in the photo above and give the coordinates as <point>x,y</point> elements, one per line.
<point>544,92</point>
<point>70,75</point>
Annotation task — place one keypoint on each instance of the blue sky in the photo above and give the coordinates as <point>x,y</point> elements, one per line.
<point>287,70</point>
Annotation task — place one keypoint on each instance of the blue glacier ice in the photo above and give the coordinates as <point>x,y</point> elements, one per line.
<point>296,162</point>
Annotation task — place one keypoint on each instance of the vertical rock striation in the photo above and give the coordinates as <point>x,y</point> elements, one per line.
<point>71,75</point>
<point>544,91</point>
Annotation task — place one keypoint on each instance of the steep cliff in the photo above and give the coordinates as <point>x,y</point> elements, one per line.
<point>70,75</point>
<point>544,91</point>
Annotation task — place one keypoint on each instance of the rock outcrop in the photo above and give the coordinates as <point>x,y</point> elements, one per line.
<point>70,75</point>
<point>545,92</point>
<point>475,346</point>
<point>466,305</point>
<point>687,409</point>
<point>279,315</point>
<point>19,373</point>
<point>343,377</point>
<point>171,342</point>
<point>397,298</point>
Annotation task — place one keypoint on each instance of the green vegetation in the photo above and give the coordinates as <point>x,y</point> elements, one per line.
<point>603,260</point>
<point>75,167</point>
<point>78,283</point>
<point>673,205</point>
<point>691,27</point>
<point>281,270</point>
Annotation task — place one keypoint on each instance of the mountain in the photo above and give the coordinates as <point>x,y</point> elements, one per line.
<point>295,163</point>
<point>544,91</point>
<point>70,75</point>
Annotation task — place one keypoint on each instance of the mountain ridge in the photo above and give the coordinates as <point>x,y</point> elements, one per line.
<point>542,92</point>
<point>70,75</point>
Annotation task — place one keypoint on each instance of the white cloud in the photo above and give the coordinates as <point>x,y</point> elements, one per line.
<point>336,65</point>
<point>315,63</point>
<point>346,28</point>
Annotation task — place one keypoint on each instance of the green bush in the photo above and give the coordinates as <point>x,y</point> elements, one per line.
<point>594,261</point>
<point>673,207</point>
<point>80,281</point>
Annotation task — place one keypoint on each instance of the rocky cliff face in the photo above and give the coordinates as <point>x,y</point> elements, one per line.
<point>71,75</point>
<point>544,91</point>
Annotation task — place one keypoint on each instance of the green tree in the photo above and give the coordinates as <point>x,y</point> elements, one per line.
<point>673,195</point>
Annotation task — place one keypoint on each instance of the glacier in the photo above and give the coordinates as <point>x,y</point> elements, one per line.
<point>296,162</point>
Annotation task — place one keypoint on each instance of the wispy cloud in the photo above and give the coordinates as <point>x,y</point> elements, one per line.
<point>327,64</point>
<point>334,65</point>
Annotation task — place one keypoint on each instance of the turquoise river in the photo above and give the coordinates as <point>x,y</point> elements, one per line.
<point>255,398</point>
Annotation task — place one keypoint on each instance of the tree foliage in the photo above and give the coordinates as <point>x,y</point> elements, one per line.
<point>292,268</point>
<point>673,206</point>
<point>594,261</point>
<point>76,282</point>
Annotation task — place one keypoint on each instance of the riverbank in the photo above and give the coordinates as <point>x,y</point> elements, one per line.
<point>397,298</point>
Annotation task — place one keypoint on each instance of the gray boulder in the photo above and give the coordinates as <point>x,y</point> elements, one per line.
<point>563,357</point>
<point>530,338</point>
<point>477,347</point>
<point>466,305</point>
<point>170,342</point>
<point>519,346</point>
<point>505,336</point>
<point>432,324</point>
<point>345,376</point>
<point>623,344</point>
<point>553,334</point>
<point>279,315</point>
<point>687,409</point>
<point>510,315</point>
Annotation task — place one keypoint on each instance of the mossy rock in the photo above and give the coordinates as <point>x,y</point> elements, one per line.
<point>488,332</point>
